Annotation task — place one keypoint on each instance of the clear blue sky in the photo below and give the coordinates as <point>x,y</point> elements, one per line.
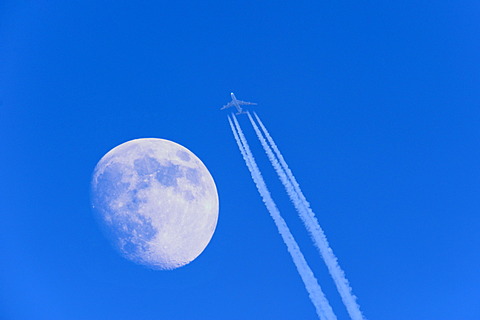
<point>375,106</point>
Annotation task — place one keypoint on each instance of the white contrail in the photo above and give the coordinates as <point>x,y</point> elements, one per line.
<point>323,308</point>
<point>310,221</point>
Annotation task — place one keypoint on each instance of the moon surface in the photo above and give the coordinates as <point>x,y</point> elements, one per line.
<point>157,202</point>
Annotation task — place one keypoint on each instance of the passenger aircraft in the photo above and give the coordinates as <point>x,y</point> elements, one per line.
<point>237,103</point>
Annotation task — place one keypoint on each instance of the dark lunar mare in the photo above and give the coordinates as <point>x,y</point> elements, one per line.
<point>193,175</point>
<point>168,174</point>
<point>146,165</point>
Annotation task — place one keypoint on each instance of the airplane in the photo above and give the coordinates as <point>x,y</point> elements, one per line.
<point>237,103</point>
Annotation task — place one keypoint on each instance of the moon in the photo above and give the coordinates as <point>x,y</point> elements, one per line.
<point>156,201</point>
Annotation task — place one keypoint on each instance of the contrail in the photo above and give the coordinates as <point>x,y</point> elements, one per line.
<point>309,220</point>
<point>323,308</point>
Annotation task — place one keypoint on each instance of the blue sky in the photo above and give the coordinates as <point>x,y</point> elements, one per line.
<point>375,106</point>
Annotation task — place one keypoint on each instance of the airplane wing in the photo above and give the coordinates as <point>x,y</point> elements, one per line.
<point>228,105</point>
<point>240,102</point>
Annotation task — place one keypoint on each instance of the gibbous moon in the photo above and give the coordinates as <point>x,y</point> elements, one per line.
<point>157,202</point>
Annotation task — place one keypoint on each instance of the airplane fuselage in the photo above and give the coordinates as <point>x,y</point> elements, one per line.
<point>237,103</point>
